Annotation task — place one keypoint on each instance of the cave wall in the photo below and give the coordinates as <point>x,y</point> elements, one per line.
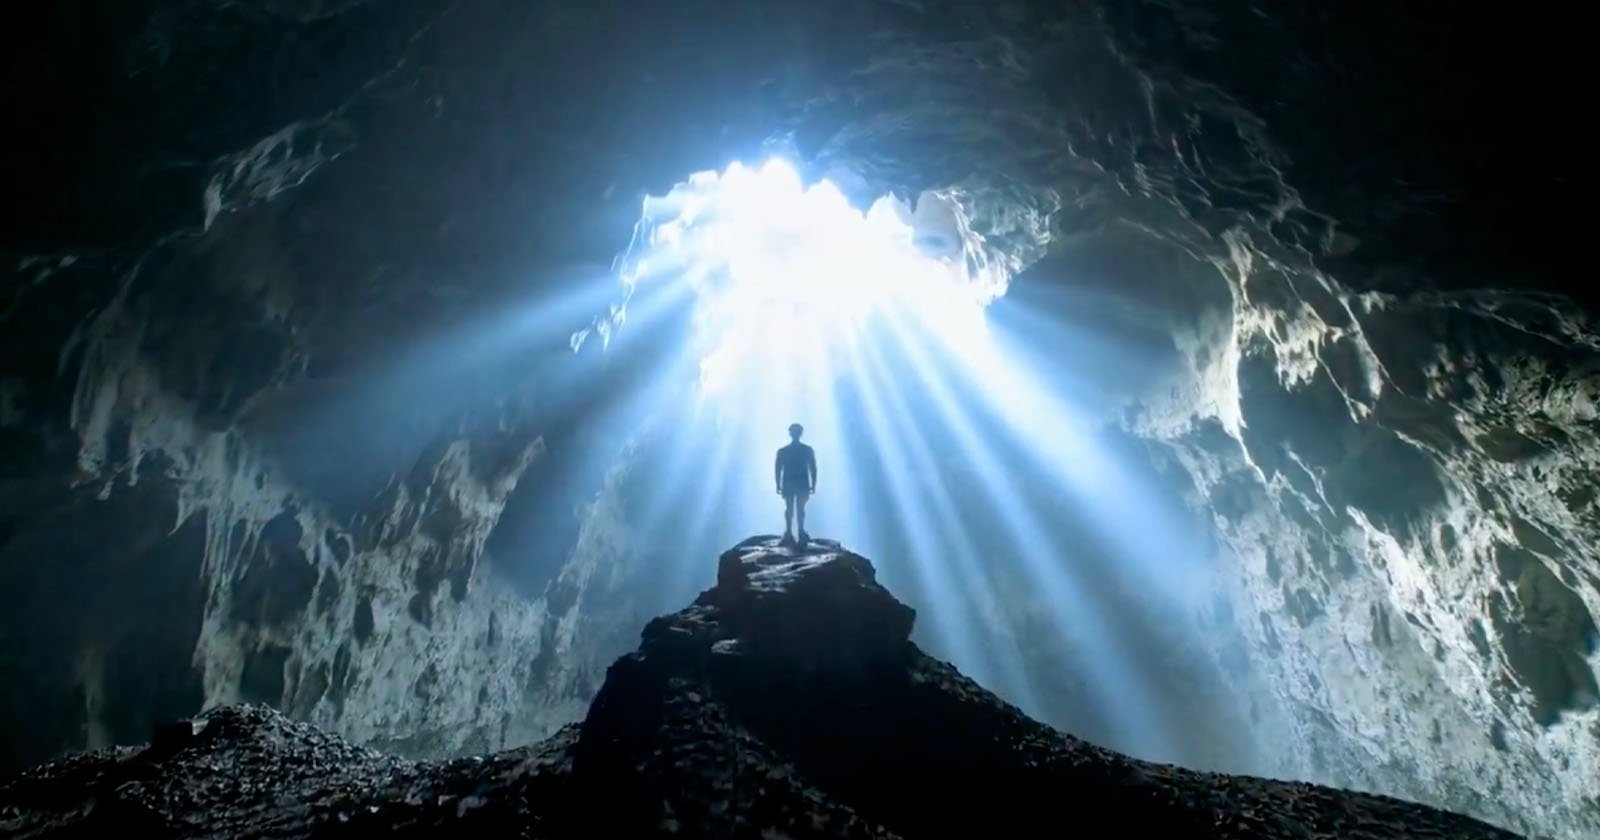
<point>1399,486</point>
<point>1401,481</point>
<point>170,563</point>
<point>216,489</point>
<point>231,219</point>
<point>1390,417</point>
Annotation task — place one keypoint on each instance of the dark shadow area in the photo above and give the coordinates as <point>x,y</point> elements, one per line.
<point>97,640</point>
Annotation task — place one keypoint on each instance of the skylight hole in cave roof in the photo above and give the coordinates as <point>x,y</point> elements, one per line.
<point>786,273</point>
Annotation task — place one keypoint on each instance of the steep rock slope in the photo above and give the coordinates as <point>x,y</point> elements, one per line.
<point>787,701</point>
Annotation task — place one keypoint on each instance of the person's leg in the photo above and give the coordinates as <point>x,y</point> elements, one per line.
<point>800,516</point>
<point>788,513</point>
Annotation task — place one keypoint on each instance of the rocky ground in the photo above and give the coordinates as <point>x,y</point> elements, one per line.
<point>787,701</point>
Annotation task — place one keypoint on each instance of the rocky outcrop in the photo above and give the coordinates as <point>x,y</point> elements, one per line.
<point>787,700</point>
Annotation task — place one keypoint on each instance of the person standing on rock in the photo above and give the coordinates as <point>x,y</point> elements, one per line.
<point>796,473</point>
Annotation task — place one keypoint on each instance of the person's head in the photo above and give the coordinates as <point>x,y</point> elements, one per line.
<point>795,430</point>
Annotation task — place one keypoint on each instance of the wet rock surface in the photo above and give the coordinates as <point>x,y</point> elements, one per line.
<point>786,701</point>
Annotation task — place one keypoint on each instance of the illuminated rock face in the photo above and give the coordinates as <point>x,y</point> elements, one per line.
<point>1406,497</point>
<point>1400,485</point>
<point>1294,210</point>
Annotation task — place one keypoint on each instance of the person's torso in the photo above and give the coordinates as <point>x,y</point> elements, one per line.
<point>796,459</point>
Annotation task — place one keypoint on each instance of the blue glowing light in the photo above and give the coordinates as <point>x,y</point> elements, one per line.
<point>950,448</point>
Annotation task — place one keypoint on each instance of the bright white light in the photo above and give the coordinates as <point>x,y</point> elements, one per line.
<point>789,276</point>
<point>957,450</point>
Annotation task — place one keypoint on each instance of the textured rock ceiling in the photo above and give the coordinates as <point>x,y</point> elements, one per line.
<point>1350,235</point>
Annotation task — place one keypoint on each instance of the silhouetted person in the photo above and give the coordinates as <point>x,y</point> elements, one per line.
<point>796,473</point>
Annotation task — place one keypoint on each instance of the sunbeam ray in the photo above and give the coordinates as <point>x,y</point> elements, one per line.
<point>1118,687</point>
<point>946,439</point>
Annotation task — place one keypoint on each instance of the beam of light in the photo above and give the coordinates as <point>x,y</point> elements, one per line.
<point>1119,689</point>
<point>1002,672</point>
<point>934,429</point>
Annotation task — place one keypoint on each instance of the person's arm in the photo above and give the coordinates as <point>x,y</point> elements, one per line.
<point>811,462</point>
<point>777,471</point>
